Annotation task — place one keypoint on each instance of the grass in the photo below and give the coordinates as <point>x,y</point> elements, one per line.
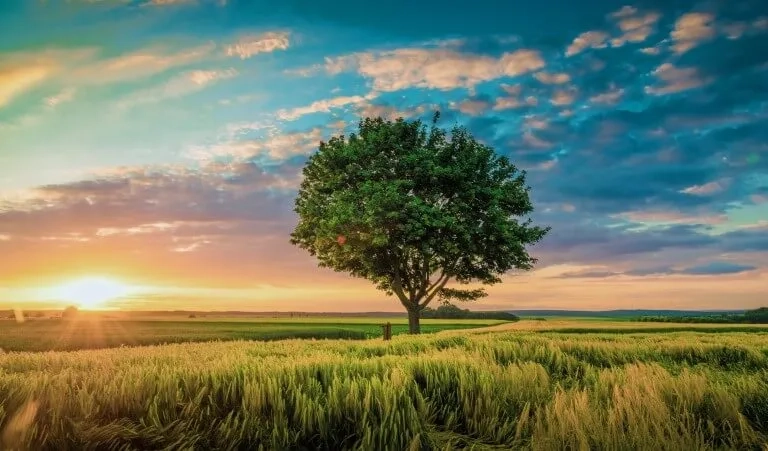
<point>93,333</point>
<point>511,388</point>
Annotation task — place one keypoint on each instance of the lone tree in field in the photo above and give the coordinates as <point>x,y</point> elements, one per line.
<point>410,209</point>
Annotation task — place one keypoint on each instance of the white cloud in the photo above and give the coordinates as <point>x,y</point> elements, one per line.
<point>15,81</point>
<point>676,79</point>
<point>513,99</point>
<point>691,30</point>
<point>707,188</point>
<point>276,146</point>
<point>635,27</point>
<point>249,46</point>
<point>178,86</point>
<point>609,97</point>
<point>138,64</point>
<point>65,95</point>
<point>552,78</point>
<point>587,40</point>
<point>563,97</point>
<point>439,68</point>
<point>471,107</point>
<point>323,106</point>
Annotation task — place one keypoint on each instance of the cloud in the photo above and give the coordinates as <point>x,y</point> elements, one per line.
<point>65,95</point>
<point>563,97</point>
<point>391,112</point>
<point>178,86</point>
<point>676,79</point>
<point>709,269</point>
<point>707,188</point>
<point>512,99</point>
<point>691,30</point>
<point>635,26</point>
<point>587,40</point>
<point>276,146</point>
<point>672,217</point>
<point>138,64</point>
<point>440,68</point>
<point>249,46</point>
<point>323,106</point>
<point>169,2</point>
<point>610,97</point>
<point>472,107</point>
<point>552,78</point>
<point>715,268</point>
<point>15,81</point>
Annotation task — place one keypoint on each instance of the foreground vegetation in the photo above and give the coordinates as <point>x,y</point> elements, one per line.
<point>515,389</point>
<point>93,332</point>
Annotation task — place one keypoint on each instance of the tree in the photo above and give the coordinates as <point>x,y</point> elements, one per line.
<point>410,209</point>
<point>69,312</point>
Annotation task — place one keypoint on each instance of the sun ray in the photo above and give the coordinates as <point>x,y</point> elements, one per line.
<point>90,292</point>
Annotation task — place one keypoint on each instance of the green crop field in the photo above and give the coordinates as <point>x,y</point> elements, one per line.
<point>526,385</point>
<point>93,333</point>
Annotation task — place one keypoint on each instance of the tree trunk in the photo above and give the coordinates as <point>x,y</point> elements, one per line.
<point>413,321</point>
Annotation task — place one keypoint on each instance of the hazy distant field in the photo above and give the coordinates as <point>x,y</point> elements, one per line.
<point>91,333</point>
<point>542,389</point>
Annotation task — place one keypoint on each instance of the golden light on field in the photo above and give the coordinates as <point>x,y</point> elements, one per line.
<point>90,292</point>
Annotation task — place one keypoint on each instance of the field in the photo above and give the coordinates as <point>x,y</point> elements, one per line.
<point>93,333</point>
<point>538,385</point>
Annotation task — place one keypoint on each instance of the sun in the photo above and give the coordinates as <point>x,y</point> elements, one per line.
<point>91,292</point>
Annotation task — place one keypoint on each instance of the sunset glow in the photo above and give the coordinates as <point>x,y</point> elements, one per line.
<point>91,292</point>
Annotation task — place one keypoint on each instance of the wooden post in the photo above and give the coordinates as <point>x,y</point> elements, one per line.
<point>387,331</point>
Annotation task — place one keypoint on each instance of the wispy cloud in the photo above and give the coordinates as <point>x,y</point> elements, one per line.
<point>707,188</point>
<point>178,86</point>
<point>14,81</point>
<point>139,64</point>
<point>323,106</point>
<point>587,40</point>
<point>439,68</point>
<point>65,95</point>
<point>248,46</point>
<point>610,97</point>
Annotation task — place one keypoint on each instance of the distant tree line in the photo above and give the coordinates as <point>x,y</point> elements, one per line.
<point>450,311</point>
<point>757,316</point>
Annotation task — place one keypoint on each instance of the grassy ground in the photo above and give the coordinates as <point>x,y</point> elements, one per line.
<point>517,388</point>
<point>93,333</point>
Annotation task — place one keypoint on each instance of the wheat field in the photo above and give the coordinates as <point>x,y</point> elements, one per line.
<point>494,389</point>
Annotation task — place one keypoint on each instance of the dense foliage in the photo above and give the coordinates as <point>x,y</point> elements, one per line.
<point>411,208</point>
<point>538,391</point>
<point>450,311</point>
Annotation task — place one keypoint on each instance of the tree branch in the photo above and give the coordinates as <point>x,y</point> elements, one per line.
<point>435,291</point>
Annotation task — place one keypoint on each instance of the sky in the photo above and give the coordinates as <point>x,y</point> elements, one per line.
<point>159,143</point>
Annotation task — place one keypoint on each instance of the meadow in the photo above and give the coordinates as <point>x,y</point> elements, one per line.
<point>93,332</point>
<point>527,385</point>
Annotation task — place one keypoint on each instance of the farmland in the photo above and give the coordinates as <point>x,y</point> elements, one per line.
<point>527,385</point>
<point>93,332</point>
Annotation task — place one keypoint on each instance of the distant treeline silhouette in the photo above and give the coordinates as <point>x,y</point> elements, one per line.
<point>757,316</point>
<point>450,311</point>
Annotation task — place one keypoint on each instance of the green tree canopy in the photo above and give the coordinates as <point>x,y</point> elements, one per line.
<point>411,207</point>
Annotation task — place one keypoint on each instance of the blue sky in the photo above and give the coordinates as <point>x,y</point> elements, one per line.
<point>160,142</point>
